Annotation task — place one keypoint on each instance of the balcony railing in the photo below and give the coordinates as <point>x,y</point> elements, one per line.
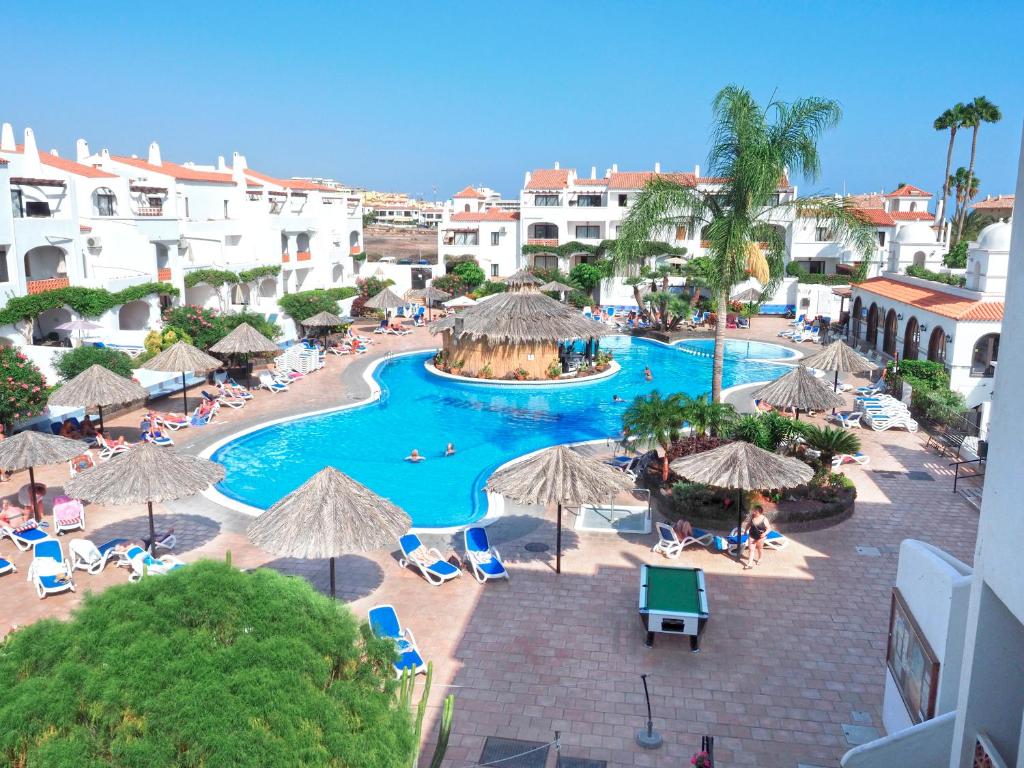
<point>164,274</point>
<point>551,242</point>
<point>150,210</point>
<point>354,250</point>
<point>285,258</point>
<point>303,256</point>
<point>47,284</point>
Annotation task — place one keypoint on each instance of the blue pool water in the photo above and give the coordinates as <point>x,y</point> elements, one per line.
<point>489,425</point>
<point>742,349</point>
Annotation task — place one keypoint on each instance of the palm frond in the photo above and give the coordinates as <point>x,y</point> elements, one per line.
<point>662,203</point>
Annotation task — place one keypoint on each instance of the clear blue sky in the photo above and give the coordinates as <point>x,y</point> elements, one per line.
<point>424,95</point>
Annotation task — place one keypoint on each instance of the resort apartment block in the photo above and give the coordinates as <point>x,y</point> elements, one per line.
<point>112,221</point>
<point>477,224</point>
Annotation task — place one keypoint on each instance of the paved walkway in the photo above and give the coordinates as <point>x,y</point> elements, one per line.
<point>794,648</point>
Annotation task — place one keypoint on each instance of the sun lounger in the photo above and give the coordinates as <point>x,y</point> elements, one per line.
<point>230,402</point>
<point>774,540</point>
<point>670,545</point>
<point>152,434</point>
<point>68,515</point>
<point>483,559</point>
<point>87,556</point>
<point>847,419</point>
<point>267,382</point>
<point>108,451</point>
<point>434,568</point>
<point>882,421</point>
<point>144,564</point>
<point>49,571</point>
<point>384,624</point>
<point>81,463</point>
<point>25,535</point>
<point>850,458</point>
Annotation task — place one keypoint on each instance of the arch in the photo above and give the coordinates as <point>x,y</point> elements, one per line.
<point>913,207</point>
<point>338,273</point>
<point>911,339</point>
<point>268,288</point>
<point>872,335</point>
<point>855,317</point>
<point>353,242</point>
<point>937,345</point>
<point>542,231</point>
<point>891,328</point>
<point>284,244</point>
<point>465,208</point>
<point>919,258</point>
<point>47,322</point>
<point>985,355</point>
<point>302,242</point>
<point>45,262</point>
<point>104,202</point>
<point>241,293</point>
<point>203,295</point>
<point>134,316</point>
<point>163,256</point>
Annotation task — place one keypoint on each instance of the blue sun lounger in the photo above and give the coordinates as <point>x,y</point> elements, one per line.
<point>6,566</point>
<point>434,568</point>
<point>485,561</point>
<point>50,572</point>
<point>24,536</point>
<point>775,540</point>
<point>384,624</point>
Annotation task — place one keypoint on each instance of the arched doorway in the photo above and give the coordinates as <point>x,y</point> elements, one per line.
<point>337,273</point>
<point>855,318</point>
<point>268,288</point>
<point>47,322</point>
<point>985,355</point>
<point>919,259</point>
<point>353,243</point>
<point>872,334</point>
<point>911,340</point>
<point>937,345</point>
<point>134,316</point>
<point>891,328</point>
<point>45,262</point>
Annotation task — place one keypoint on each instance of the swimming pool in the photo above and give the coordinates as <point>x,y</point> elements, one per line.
<point>489,425</point>
<point>743,349</point>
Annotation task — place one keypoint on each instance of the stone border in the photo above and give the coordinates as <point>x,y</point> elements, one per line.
<point>613,368</point>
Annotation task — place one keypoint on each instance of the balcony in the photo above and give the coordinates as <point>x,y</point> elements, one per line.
<point>150,210</point>
<point>47,284</point>
<point>303,256</point>
<point>164,274</point>
<point>549,242</point>
<point>285,258</point>
<point>355,250</point>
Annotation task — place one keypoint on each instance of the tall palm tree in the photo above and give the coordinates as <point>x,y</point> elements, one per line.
<point>753,148</point>
<point>654,421</point>
<point>951,120</point>
<point>965,188</point>
<point>979,111</point>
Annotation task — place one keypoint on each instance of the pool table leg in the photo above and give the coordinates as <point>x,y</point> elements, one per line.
<point>649,642</point>
<point>694,643</point>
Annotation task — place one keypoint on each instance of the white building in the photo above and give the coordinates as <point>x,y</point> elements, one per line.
<point>475,225</point>
<point>965,632</point>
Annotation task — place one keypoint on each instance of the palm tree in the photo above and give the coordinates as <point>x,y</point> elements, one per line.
<point>654,421</point>
<point>830,442</point>
<point>753,148</point>
<point>706,417</point>
<point>974,222</point>
<point>979,111</point>
<point>951,120</point>
<point>965,188</point>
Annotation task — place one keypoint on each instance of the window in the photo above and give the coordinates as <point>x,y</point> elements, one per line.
<point>545,200</point>
<point>494,270</point>
<point>680,233</point>
<point>186,208</point>
<point>545,261</point>
<point>37,210</point>
<point>881,238</point>
<point>465,208</point>
<point>913,207</point>
<point>588,201</point>
<point>622,201</point>
<point>822,234</point>
<point>464,238</point>
<point>985,355</point>
<point>106,202</point>
<point>4,275</point>
<point>816,267</point>
<point>591,231</point>
<point>937,345</point>
<point>226,210</point>
<point>17,203</point>
<point>545,231</point>
<point>919,258</point>
<point>495,238</point>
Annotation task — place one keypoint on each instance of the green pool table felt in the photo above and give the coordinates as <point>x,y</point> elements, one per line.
<point>672,589</point>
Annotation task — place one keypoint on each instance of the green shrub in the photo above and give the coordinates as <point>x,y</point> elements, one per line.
<point>88,302</point>
<point>586,276</point>
<point>802,275</point>
<point>579,299</point>
<point>73,362</point>
<point>303,304</point>
<point>214,277</point>
<point>207,326</point>
<point>207,666</point>
<point>488,288</point>
<point>22,387</point>
<point>937,277</point>
<point>957,256</point>
<point>470,274</point>
<point>450,284</point>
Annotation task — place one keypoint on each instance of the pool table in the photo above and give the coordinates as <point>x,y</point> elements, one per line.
<point>673,600</point>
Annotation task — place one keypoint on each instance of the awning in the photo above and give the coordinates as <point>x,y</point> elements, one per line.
<point>29,182</point>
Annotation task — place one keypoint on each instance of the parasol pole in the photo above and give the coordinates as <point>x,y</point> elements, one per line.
<point>739,525</point>
<point>100,407</point>
<point>32,494</point>
<point>152,528</point>
<point>558,541</point>
<point>332,579</point>
<point>184,395</point>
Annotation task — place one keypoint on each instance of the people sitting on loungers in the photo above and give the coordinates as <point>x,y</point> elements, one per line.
<point>69,430</point>
<point>88,428</point>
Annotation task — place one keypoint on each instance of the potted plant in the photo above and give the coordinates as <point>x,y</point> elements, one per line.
<point>520,374</point>
<point>554,369</point>
<point>487,372</point>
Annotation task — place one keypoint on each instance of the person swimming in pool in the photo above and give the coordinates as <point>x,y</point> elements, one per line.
<point>617,399</point>
<point>415,457</point>
<point>647,374</point>
<point>449,451</point>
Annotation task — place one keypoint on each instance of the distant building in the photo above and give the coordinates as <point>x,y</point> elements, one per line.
<point>476,225</point>
<point>1000,206</point>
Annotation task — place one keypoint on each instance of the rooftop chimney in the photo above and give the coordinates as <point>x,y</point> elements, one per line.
<point>81,150</point>
<point>7,138</point>
<point>557,165</point>
<point>154,154</point>
<point>239,159</point>
<point>54,152</point>
<point>221,165</point>
<point>105,155</point>
<point>657,167</point>
<point>593,172</point>
<point>526,179</point>
<point>696,171</point>
<point>32,164</point>
<point>615,167</point>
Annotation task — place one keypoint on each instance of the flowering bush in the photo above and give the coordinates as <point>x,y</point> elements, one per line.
<point>701,760</point>
<point>205,327</point>
<point>24,388</point>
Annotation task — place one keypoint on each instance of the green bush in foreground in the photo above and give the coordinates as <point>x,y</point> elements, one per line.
<point>207,666</point>
<point>72,363</point>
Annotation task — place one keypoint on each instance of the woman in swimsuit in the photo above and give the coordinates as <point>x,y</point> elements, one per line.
<point>756,527</point>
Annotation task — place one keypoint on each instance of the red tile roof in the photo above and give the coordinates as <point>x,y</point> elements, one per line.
<point>469,192</point>
<point>179,172</point>
<point>999,202</point>
<point>592,182</point>
<point>875,216</point>
<point>297,184</point>
<point>909,190</point>
<point>491,214</point>
<point>637,179</point>
<point>68,166</point>
<point>934,300</point>
<point>912,216</point>
<point>549,178</point>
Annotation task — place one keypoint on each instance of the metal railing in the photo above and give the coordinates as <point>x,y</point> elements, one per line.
<point>958,464</point>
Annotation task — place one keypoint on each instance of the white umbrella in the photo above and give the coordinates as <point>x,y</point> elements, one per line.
<point>79,325</point>
<point>460,301</point>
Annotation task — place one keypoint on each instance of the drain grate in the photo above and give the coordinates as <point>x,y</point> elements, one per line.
<point>537,546</point>
<point>919,474</point>
<point>514,753</point>
<point>869,551</point>
<point>859,734</point>
<point>580,762</point>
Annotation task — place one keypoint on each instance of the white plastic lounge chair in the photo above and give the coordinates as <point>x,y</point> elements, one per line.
<point>848,419</point>
<point>86,556</point>
<point>144,564</point>
<point>108,451</point>
<point>269,383</point>
<point>670,545</point>
<point>6,566</point>
<point>434,568</point>
<point>81,463</point>
<point>774,540</point>
<point>483,558</point>
<point>850,458</point>
<point>68,515</point>
<point>883,421</point>
<point>49,571</point>
<point>384,624</point>
<point>25,535</point>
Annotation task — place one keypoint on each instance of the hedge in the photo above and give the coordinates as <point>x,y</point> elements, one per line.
<point>219,277</point>
<point>73,362</point>
<point>803,276</point>
<point>305,304</point>
<point>938,277</point>
<point>87,302</point>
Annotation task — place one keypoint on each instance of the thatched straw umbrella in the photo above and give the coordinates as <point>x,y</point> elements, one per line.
<point>143,475</point>
<point>522,278</point>
<point>559,476</point>
<point>325,320</point>
<point>330,515</point>
<point>245,340</point>
<point>556,287</point>
<point>28,449</point>
<point>97,386</point>
<point>743,467</point>
<point>386,300</point>
<point>182,357</point>
<point>799,389</point>
<point>430,294</point>
<point>838,356</point>
<point>750,294</point>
